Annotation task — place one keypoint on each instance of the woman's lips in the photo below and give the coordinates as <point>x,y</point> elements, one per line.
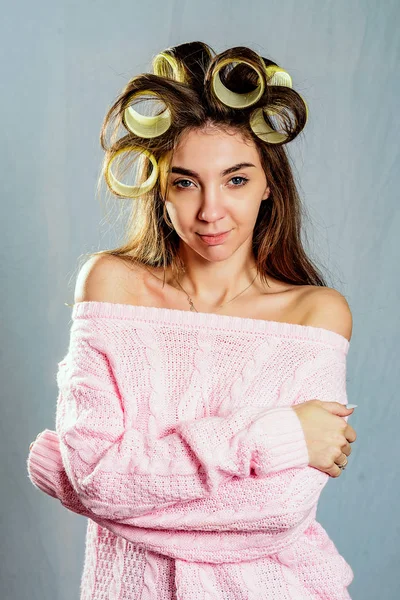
<point>212,240</point>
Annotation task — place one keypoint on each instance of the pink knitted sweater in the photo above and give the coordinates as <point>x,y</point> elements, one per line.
<point>175,436</point>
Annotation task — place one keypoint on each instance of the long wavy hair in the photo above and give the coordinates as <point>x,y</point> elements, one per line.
<point>182,80</point>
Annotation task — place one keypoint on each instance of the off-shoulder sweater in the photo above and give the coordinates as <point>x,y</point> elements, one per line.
<point>176,437</point>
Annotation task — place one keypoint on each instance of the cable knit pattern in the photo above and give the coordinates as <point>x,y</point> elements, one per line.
<point>176,437</point>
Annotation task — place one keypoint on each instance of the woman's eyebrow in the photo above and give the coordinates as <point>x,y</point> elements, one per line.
<point>191,173</point>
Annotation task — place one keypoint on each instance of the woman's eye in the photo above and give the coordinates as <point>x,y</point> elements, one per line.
<point>177,183</point>
<point>244,180</point>
<point>180,181</point>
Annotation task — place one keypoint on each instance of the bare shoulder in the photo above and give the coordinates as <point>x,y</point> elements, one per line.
<point>106,278</point>
<point>328,308</point>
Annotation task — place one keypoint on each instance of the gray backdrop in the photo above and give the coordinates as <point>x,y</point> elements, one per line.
<point>63,64</point>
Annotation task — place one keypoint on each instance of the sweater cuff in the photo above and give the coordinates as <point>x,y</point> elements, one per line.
<point>278,441</point>
<point>265,441</point>
<point>44,462</point>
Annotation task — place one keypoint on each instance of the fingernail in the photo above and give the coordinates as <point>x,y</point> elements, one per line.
<point>351,405</point>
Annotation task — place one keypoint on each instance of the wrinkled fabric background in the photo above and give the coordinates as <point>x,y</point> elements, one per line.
<point>62,66</point>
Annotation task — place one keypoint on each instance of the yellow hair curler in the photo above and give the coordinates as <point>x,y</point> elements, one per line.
<point>262,129</point>
<point>306,107</point>
<point>160,69</point>
<point>265,131</point>
<point>132,191</point>
<point>144,126</point>
<point>278,76</point>
<point>233,99</point>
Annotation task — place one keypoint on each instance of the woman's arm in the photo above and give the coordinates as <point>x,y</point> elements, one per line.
<point>120,472</point>
<point>259,515</point>
<point>247,503</point>
<point>202,543</point>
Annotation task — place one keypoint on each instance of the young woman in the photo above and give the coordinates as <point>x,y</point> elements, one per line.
<point>201,405</point>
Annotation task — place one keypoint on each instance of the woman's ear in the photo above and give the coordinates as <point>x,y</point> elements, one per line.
<point>266,193</point>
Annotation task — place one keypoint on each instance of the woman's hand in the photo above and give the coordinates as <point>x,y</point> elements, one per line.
<point>327,434</point>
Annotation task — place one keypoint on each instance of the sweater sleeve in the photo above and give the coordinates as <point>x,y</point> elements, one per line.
<point>198,544</point>
<point>120,472</point>
<point>250,503</point>
<point>275,506</point>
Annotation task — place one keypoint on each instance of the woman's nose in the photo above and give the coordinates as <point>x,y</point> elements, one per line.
<point>211,204</point>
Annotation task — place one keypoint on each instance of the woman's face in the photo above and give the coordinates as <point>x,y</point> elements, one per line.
<point>210,190</point>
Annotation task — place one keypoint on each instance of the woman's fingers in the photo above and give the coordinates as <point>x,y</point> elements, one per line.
<point>346,449</point>
<point>350,433</point>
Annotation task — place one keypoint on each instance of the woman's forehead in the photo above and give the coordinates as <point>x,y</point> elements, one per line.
<point>218,147</point>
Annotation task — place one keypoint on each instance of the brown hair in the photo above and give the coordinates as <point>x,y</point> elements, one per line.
<point>188,93</point>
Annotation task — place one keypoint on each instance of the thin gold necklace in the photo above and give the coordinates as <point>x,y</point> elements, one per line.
<point>192,306</point>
